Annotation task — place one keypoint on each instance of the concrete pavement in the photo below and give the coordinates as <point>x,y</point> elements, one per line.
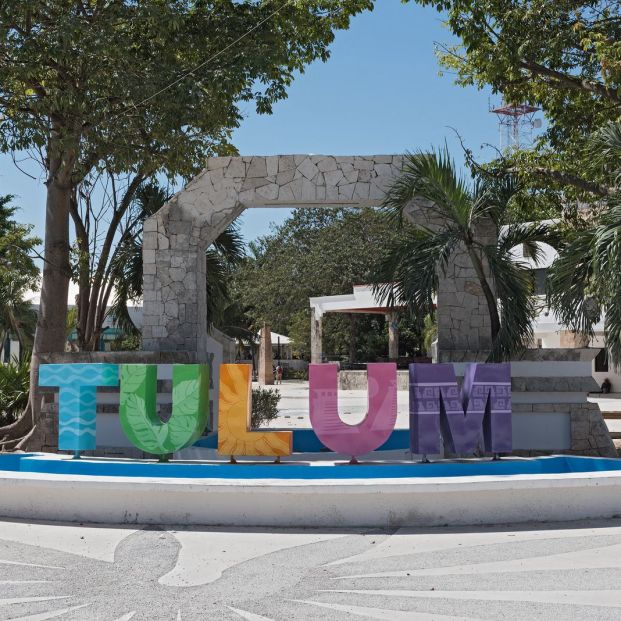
<point>530,572</point>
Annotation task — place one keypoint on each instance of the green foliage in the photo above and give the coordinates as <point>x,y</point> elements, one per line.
<point>558,55</point>
<point>126,265</point>
<point>14,385</point>
<point>457,211</point>
<point>430,332</point>
<point>295,374</point>
<point>586,278</point>
<point>97,74</point>
<point>129,342</point>
<point>316,253</point>
<point>264,406</point>
<point>18,275</point>
<point>137,88</point>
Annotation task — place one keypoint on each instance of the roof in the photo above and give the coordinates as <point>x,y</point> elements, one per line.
<point>284,340</point>
<point>362,300</point>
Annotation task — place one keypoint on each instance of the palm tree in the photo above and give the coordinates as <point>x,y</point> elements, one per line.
<point>226,252</point>
<point>18,318</point>
<point>457,210</point>
<point>18,275</point>
<point>586,278</point>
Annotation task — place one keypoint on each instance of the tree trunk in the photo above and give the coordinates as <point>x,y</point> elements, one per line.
<point>353,337</point>
<point>94,281</point>
<point>50,335</point>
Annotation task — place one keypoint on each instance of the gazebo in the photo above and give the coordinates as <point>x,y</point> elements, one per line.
<point>361,301</point>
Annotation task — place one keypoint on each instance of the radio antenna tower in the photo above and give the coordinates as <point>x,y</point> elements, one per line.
<point>516,123</point>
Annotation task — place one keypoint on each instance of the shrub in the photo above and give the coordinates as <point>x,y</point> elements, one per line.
<point>295,374</point>
<point>264,406</point>
<point>128,342</point>
<point>14,386</point>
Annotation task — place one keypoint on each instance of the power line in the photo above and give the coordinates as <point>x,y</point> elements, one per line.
<point>206,62</point>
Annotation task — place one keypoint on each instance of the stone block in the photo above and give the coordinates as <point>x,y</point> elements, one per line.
<point>285,176</point>
<point>236,168</point>
<point>217,163</point>
<point>346,192</point>
<point>150,225</point>
<point>363,164</point>
<point>286,162</point>
<point>268,192</point>
<point>361,191</point>
<point>327,164</point>
<point>285,194</point>
<point>307,168</point>
<point>272,165</point>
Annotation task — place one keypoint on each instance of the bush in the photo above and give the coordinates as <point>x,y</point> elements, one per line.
<point>128,342</point>
<point>295,374</point>
<point>264,406</point>
<point>14,386</point>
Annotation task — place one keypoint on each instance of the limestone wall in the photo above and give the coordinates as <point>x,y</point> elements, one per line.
<point>176,237</point>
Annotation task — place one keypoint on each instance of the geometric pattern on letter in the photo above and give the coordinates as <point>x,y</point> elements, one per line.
<point>487,390</point>
<point>480,410</point>
<point>77,400</point>
<point>234,434</point>
<point>138,409</point>
<point>376,426</point>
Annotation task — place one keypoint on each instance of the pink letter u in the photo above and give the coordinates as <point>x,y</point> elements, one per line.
<point>377,425</point>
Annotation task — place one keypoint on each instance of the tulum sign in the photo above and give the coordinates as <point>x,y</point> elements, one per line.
<point>475,414</point>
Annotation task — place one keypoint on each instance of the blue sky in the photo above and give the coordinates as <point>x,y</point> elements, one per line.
<point>380,92</point>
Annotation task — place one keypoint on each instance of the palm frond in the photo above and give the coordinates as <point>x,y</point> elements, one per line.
<point>570,284</point>
<point>605,148</point>
<point>518,306</point>
<point>607,277</point>
<point>409,273</point>
<point>529,235</point>
<point>492,196</point>
<point>230,245</point>
<point>433,177</point>
<point>127,274</point>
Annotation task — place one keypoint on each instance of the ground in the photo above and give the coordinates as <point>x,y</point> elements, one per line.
<point>72,572</point>
<point>293,406</point>
<point>528,572</point>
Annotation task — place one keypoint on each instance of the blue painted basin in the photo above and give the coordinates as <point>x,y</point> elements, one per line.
<point>39,463</point>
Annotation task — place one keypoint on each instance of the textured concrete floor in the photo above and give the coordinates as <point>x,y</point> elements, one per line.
<point>549,571</point>
<point>293,406</point>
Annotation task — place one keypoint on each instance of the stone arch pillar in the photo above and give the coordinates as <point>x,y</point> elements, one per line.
<point>177,236</point>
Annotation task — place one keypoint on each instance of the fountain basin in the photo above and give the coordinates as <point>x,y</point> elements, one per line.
<point>309,493</point>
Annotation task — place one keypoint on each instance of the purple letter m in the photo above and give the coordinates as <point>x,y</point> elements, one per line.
<point>482,409</point>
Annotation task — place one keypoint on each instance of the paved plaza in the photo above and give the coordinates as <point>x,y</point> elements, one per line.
<point>293,405</point>
<point>538,571</point>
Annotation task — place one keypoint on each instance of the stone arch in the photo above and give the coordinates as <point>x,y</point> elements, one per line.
<point>176,237</point>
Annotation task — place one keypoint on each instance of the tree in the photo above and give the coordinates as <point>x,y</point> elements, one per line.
<point>560,55</point>
<point>101,261</point>
<point>316,252</point>
<point>137,87</point>
<point>585,280</point>
<point>124,275</point>
<point>18,276</point>
<point>457,209</point>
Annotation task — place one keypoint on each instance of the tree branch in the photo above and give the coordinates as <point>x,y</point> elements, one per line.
<point>569,179</point>
<point>572,82</point>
